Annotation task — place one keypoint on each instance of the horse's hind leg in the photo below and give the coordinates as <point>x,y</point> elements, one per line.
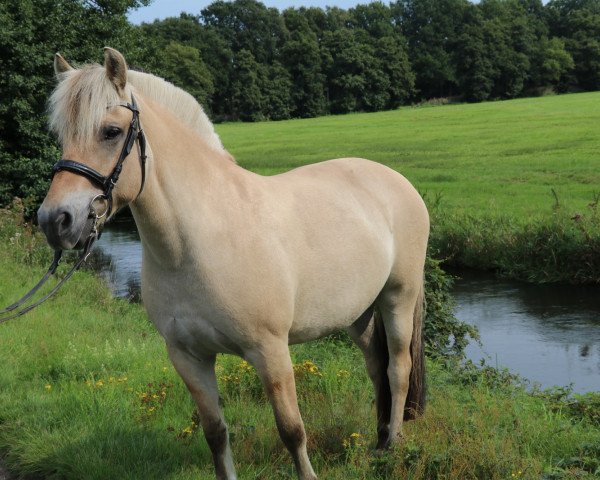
<point>398,307</point>
<point>368,333</point>
<point>274,367</point>
<point>199,376</point>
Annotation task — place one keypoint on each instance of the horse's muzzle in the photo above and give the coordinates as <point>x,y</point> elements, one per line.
<point>65,228</point>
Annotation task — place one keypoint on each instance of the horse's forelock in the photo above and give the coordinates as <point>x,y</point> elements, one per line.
<point>78,104</point>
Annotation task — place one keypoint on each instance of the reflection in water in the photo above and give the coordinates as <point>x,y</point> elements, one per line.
<point>118,257</point>
<point>547,333</point>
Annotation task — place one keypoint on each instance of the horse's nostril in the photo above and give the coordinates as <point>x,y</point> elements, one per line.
<point>63,222</point>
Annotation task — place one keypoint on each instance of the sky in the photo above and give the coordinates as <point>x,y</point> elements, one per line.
<point>172,8</point>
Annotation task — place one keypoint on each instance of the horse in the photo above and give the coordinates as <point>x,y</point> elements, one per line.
<point>238,263</point>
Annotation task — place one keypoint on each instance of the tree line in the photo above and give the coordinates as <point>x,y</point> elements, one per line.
<point>244,61</point>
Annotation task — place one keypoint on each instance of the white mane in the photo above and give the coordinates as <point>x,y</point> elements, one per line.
<point>78,104</point>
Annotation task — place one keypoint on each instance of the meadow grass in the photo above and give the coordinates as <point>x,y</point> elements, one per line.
<point>500,178</point>
<point>87,392</point>
<point>495,158</point>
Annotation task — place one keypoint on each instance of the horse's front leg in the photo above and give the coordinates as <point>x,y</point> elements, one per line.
<point>198,373</point>
<point>274,367</point>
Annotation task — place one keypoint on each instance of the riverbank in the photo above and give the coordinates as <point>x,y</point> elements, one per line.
<point>87,392</point>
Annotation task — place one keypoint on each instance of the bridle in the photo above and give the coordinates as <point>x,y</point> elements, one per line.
<point>134,133</point>
<point>107,184</point>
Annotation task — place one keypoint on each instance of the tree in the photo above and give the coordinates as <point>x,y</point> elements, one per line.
<point>355,78</point>
<point>432,28</point>
<point>302,57</point>
<point>183,66</point>
<point>32,31</point>
<point>392,53</point>
<point>246,99</point>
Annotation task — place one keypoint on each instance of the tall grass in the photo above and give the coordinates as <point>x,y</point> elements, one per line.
<point>558,247</point>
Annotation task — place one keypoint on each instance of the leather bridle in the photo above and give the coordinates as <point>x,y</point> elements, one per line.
<point>107,184</point>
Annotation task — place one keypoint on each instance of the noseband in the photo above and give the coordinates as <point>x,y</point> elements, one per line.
<point>107,183</point>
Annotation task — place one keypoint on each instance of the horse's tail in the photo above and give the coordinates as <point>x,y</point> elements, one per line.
<point>415,400</point>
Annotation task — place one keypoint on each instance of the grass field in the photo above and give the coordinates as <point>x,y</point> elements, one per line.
<point>87,392</point>
<point>497,158</point>
<point>512,186</point>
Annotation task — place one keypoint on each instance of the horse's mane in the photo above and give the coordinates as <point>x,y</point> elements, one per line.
<point>78,104</point>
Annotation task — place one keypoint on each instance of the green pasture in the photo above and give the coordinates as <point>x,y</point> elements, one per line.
<point>486,159</point>
<point>87,392</point>
<point>512,186</point>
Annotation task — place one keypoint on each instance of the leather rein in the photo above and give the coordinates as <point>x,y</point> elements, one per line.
<point>107,184</point>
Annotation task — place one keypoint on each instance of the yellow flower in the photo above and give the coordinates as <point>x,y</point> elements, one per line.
<point>99,383</point>
<point>48,387</point>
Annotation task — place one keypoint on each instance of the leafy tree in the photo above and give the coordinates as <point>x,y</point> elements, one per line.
<point>182,65</point>
<point>278,87</point>
<point>302,57</point>
<point>476,71</point>
<point>32,31</point>
<point>248,25</point>
<point>246,99</point>
<point>392,53</point>
<point>432,28</point>
<point>374,18</point>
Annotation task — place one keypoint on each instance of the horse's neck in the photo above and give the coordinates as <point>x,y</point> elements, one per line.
<point>186,180</point>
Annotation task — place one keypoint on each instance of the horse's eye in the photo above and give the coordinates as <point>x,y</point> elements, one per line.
<point>110,133</point>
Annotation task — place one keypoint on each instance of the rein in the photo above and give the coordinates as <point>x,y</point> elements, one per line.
<point>107,184</point>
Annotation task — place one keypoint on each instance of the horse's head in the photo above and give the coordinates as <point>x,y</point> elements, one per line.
<point>94,114</point>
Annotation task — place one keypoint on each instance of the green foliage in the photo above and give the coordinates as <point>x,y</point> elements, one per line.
<point>564,248</point>
<point>445,335</point>
<point>182,65</point>
<point>32,31</point>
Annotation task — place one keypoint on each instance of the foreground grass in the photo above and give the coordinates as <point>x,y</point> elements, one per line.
<point>87,392</point>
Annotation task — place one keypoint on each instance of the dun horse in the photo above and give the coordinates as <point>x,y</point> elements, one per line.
<point>238,263</point>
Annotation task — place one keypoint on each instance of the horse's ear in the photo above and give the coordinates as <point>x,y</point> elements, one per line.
<point>61,65</point>
<point>116,68</point>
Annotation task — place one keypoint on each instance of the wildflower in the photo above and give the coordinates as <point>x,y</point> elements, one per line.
<point>187,430</point>
<point>99,383</point>
<point>354,440</point>
<point>343,373</point>
<point>48,387</point>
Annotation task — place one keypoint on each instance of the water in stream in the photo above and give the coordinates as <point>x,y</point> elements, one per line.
<point>548,334</point>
